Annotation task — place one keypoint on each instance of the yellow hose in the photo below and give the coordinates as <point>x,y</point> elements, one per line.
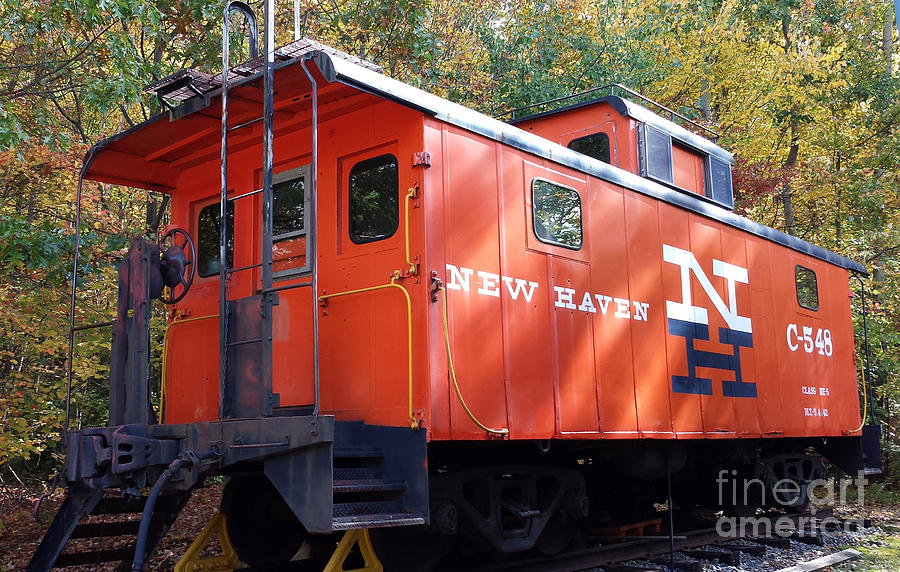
<point>413,422</point>
<point>165,358</point>
<point>453,371</point>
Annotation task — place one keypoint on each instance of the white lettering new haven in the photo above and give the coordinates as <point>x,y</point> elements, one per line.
<point>603,302</point>
<point>640,311</point>
<point>587,304</point>
<point>459,278</point>
<point>564,297</point>
<point>489,282</point>
<point>514,291</point>
<point>685,310</point>
<point>622,307</point>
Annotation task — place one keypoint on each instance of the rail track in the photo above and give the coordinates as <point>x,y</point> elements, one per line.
<point>807,528</point>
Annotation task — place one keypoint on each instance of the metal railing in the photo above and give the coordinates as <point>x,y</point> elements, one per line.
<point>673,115</point>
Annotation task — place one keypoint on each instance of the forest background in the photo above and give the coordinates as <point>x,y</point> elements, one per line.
<point>804,93</point>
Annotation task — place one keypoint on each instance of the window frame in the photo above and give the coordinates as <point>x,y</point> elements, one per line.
<point>608,159</point>
<point>350,235</point>
<point>712,191</point>
<point>201,206</point>
<point>284,177</point>
<point>534,217</point>
<point>797,269</point>
<point>644,147</point>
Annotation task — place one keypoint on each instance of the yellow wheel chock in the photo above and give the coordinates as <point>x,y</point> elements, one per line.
<point>361,537</point>
<point>227,561</point>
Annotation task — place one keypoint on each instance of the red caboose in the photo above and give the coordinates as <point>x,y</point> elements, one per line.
<point>427,316</point>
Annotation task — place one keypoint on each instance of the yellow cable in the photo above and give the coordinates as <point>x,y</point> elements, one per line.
<point>453,371</point>
<point>414,423</point>
<point>862,372</point>
<point>409,195</point>
<point>165,357</point>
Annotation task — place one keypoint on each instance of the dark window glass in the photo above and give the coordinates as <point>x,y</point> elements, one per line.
<point>557,214</point>
<point>659,154</point>
<point>374,203</point>
<point>720,179</point>
<point>807,288</point>
<point>595,145</point>
<point>208,229</point>
<point>287,208</point>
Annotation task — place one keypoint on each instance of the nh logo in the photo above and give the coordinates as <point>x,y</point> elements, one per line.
<point>692,323</point>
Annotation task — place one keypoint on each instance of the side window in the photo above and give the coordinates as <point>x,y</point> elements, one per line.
<point>374,199</point>
<point>595,145</point>
<point>807,288</point>
<point>557,214</point>
<point>289,221</point>
<point>720,181</point>
<point>208,229</point>
<point>658,154</point>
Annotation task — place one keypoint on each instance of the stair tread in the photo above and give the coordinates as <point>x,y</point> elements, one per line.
<point>119,505</point>
<point>357,453</point>
<point>346,509</point>
<point>377,520</point>
<point>367,485</point>
<point>105,529</point>
<point>93,557</point>
<point>357,473</point>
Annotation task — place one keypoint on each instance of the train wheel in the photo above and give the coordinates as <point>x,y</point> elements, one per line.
<point>557,536</point>
<point>261,526</point>
<point>407,548</point>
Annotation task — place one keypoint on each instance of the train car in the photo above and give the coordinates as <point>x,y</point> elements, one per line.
<point>391,312</point>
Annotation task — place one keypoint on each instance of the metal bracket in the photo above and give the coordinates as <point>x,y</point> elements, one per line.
<point>421,159</point>
<point>436,285</point>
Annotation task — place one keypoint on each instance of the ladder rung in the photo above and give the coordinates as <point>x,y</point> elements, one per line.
<point>80,558</point>
<point>113,505</point>
<point>242,342</point>
<point>102,529</point>
<point>245,124</point>
<point>367,485</point>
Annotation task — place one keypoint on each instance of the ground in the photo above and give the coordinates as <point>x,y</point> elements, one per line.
<point>881,548</point>
<point>20,533</point>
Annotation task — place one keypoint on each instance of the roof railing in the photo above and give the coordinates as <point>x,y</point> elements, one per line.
<point>673,115</point>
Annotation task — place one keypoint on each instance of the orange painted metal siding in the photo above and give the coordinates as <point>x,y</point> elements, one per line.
<point>547,341</point>
<point>604,369</point>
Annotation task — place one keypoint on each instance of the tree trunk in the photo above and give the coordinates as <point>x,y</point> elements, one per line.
<point>787,191</point>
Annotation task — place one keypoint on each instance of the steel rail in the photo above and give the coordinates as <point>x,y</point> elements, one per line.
<point>637,549</point>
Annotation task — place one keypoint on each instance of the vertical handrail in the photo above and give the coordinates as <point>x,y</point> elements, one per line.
<point>88,161</point>
<point>234,5</point>
<point>268,297</point>
<point>311,225</point>
<point>867,381</point>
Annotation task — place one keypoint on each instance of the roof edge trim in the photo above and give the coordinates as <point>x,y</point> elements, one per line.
<point>476,122</point>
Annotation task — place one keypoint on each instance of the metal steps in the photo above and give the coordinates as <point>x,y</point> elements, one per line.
<point>102,542</point>
<point>377,521</point>
<point>364,495</point>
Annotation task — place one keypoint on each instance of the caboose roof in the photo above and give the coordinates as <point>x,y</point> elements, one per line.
<point>154,154</point>
<point>643,115</point>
